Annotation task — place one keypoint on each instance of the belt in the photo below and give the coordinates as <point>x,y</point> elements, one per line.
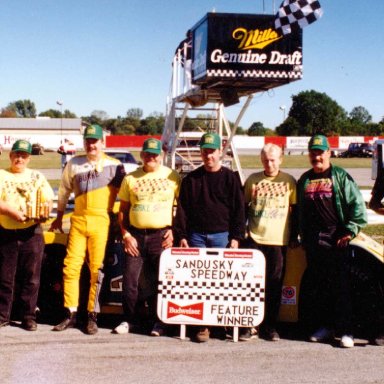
<point>147,231</point>
<point>32,228</point>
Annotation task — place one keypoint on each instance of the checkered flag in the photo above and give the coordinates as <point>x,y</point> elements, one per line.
<point>295,14</point>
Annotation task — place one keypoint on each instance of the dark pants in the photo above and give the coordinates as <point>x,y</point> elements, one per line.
<point>147,263</point>
<point>274,275</point>
<point>326,299</point>
<point>21,254</point>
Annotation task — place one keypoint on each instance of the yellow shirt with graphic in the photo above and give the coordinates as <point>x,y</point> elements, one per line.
<point>268,201</point>
<point>151,196</point>
<point>19,190</point>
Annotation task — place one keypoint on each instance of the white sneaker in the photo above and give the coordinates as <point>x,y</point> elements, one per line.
<point>321,334</point>
<point>122,329</point>
<point>347,341</point>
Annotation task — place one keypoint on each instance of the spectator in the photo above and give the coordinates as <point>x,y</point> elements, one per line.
<point>270,198</point>
<point>210,212</point>
<point>147,199</point>
<point>95,179</point>
<point>183,56</point>
<point>67,150</point>
<point>26,200</point>
<point>331,214</point>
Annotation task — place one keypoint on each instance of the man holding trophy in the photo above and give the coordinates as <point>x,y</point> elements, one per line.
<point>25,202</point>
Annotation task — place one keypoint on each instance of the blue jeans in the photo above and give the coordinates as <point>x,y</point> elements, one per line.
<point>208,240</point>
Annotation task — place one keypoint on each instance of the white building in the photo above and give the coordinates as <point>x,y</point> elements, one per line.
<point>48,132</point>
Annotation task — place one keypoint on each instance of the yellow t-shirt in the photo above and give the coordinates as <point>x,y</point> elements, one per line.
<point>268,201</point>
<point>18,190</point>
<point>151,196</point>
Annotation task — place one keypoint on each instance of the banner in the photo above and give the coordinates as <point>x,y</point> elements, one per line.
<point>220,287</point>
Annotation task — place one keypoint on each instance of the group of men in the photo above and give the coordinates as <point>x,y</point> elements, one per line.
<point>209,208</point>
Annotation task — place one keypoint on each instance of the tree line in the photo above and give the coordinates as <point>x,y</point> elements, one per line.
<point>311,112</point>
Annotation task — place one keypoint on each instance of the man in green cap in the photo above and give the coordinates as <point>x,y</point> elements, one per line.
<point>25,201</point>
<point>95,179</point>
<point>210,211</point>
<point>147,199</point>
<point>331,213</point>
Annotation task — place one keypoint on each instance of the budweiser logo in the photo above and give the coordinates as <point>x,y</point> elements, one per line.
<point>195,310</point>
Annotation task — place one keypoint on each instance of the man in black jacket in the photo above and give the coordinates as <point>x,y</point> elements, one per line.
<point>210,211</point>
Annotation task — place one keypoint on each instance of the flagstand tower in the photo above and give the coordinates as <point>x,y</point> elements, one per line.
<point>224,58</point>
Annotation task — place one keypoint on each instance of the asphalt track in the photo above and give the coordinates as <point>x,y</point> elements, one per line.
<point>72,357</point>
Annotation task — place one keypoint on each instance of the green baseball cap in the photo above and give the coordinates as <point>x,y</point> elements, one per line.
<point>93,131</point>
<point>318,142</point>
<point>211,141</point>
<point>22,146</point>
<point>152,146</point>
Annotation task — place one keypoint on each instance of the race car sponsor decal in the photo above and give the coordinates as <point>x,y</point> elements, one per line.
<point>288,295</point>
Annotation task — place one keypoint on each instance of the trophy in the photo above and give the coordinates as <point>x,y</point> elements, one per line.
<point>35,208</point>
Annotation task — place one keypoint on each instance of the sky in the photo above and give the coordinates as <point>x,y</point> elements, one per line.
<point>114,55</point>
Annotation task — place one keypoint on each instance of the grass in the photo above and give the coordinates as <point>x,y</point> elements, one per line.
<point>46,161</point>
<point>301,161</point>
<point>52,160</point>
<point>376,231</point>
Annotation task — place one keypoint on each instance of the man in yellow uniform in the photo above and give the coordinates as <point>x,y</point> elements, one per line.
<point>95,179</point>
<point>26,199</point>
<point>147,198</point>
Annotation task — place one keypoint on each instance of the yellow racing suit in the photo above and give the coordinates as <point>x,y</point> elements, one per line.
<point>95,186</point>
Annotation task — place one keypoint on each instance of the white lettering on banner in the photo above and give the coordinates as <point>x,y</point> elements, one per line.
<point>279,58</point>
<point>276,58</point>
<point>217,56</point>
<point>211,287</point>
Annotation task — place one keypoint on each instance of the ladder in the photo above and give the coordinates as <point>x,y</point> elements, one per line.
<point>187,101</point>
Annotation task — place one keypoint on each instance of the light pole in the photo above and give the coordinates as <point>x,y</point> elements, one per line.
<point>61,119</point>
<point>283,108</point>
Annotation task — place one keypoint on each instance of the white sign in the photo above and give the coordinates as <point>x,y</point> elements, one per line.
<point>51,141</point>
<point>211,286</point>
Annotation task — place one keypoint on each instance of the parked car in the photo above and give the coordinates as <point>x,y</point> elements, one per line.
<point>126,157</point>
<point>37,149</point>
<point>358,150</point>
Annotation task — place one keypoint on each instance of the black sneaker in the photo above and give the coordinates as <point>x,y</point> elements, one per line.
<point>246,334</point>
<point>271,334</point>
<point>379,340</point>
<point>91,327</point>
<point>68,322</point>
<point>29,325</point>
